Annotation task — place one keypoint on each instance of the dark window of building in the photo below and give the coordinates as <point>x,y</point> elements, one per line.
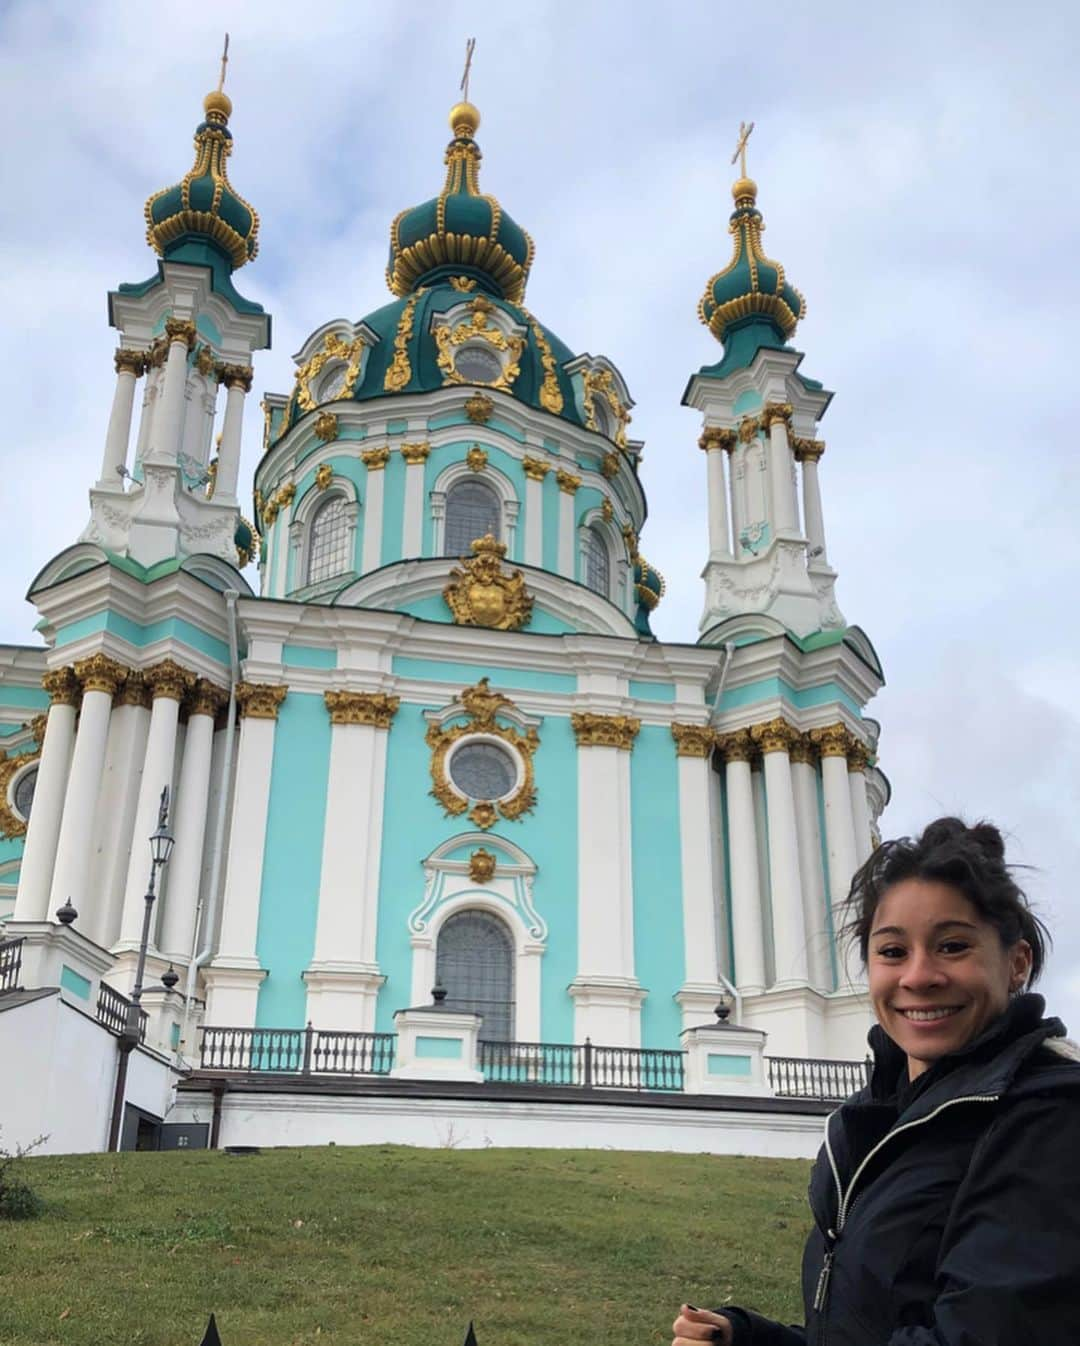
<point>474,961</point>
<point>472,509</point>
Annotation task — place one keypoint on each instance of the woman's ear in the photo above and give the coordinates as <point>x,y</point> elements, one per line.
<point>1019,966</point>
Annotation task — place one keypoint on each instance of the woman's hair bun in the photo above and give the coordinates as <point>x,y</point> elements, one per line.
<point>944,830</point>
<point>988,839</point>
<point>983,835</point>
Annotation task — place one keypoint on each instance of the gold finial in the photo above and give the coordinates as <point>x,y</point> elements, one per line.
<point>464,118</point>
<point>218,105</point>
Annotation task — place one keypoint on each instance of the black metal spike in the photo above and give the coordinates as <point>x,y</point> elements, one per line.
<point>470,1336</point>
<point>211,1338</point>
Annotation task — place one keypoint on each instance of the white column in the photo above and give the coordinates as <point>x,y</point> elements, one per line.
<point>168,684</point>
<point>237,380</point>
<point>343,977</point>
<point>100,677</point>
<point>568,485</point>
<point>43,829</point>
<point>717,442</point>
<point>834,743</point>
<point>168,424</point>
<point>606,994</point>
<point>283,540</point>
<point>737,482</point>
<point>129,365</point>
<point>234,976</point>
<point>412,528</point>
<point>375,461</point>
<point>746,919</point>
<point>857,762</point>
<point>808,451</point>
<point>535,472</point>
<point>155,358</point>
<point>804,780</point>
<point>788,926</point>
<point>784,509</point>
<point>189,823</point>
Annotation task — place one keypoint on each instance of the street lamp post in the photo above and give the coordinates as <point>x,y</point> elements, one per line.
<point>161,845</point>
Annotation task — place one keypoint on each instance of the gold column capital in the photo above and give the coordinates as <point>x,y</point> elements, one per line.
<point>134,691</point>
<point>62,684</point>
<point>206,698</point>
<point>535,468</point>
<point>128,361</point>
<point>748,428</point>
<point>737,746</point>
<point>858,758</point>
<point>236,376</point>
<point>807,450</point>
<point>604,731</point>
<point>802,750</point>
<point>374,708</point>
<point>416,453</point>
<point>375,459</point>
<point>99,673</point>
<point>169,679</point>
<point>774,735</point>
<point>776,411</point>
<point>693,740</point>
<point>717,437</point>
<point>180,329</point>
<point>568,481</point>
<point>260,700</point>
<point>833,740</point>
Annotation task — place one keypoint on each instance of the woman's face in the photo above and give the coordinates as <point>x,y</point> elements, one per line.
<point>938,971</point>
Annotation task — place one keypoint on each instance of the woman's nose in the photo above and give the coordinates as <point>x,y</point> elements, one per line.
<point>921,968</point>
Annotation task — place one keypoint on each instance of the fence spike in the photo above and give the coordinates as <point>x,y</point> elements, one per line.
<point>211,1338</point>
<point>470,1336</point>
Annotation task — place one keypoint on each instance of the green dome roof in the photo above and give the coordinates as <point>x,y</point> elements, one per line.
<point>246,542</point>
<point>203,204</point>
<point>460,232</point>
<point>751,285</point>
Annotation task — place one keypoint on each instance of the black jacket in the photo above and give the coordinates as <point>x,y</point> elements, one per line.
<point>947,1211</point>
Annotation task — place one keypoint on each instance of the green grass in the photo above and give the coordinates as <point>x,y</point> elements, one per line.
<point>395,1246</point>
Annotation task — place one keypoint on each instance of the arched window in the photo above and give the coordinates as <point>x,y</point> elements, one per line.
<point>328,541</point>
<point>597,563</point>
<point>472,509</point>
<point>474,961</point>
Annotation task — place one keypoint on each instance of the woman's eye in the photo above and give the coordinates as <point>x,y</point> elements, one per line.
<point>891,951</point>
<point>954,946</point>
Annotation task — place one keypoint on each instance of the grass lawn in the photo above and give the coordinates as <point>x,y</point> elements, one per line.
<point>395,1246</point>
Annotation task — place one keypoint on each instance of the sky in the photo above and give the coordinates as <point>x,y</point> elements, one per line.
<point>917,169</point>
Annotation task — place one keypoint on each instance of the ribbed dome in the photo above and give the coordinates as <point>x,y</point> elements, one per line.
<point>460,232</point>
<point>751,285</point>
<point>203,204</point>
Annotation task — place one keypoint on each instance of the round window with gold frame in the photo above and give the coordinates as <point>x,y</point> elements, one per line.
<point>478,364</point>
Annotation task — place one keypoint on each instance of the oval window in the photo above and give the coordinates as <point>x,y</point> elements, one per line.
<point>23,794</point>
<point>331,383</point>
<point>483,770</point>
<point>477,365</point>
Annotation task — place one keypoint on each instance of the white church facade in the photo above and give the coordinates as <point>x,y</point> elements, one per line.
<point>414,725</point>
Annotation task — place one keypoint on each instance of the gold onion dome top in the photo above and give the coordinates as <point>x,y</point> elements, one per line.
<point>203,206</point>
<point>752,285</point>
<point>461,231</point>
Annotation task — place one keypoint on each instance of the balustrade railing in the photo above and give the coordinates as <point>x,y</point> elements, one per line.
<point>828,1081</point>
<point>583,1066</point>
<point>10,964</point>
<point>113,1009</point>
<point>297,1051</point>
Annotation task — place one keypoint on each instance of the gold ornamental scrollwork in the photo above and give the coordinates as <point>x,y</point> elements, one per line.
<point>748,428</point>
<point>326,427</point>
<point>834,740</point>
<point>600,384</point>
<point>604,731</point>
<point>260,700</point>
<point>481,865</point>
<point>62,685</point>
<point>478,327</point>
<point>551,398</point>
<point>99,673</point>
<point>324,475</point>
<point>11,825</point>
<point>774,735</point>
<point>479,408</point>
<point>335,347</point>
<point>482,594</point>
<point>535,468</point>
<point>372,708</point>
<point>609,465</point>
<point>693,740</point>
<point>399,371</point>
<point>607,510</point>
<point>481,707</point>
<point>569,482</point>
<point>477,458</point>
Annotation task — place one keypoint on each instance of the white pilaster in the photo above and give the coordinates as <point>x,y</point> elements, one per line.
<point>168,423</point>
<point>784,508</point>
<point>129,365</point>
<point>237,381</point>
<point>804,781</point>
<point>190,814</point>
<point>834,744</point>
<point>100,677</point>
<point>534,514</point>
<point>701,989</point>
<point>416,456</point>
<point>808,453</point>
<point>746,911</point>
<point>606,993</point>
<point>568,485</point>
<point>717,443</point>
<point>788,928</point>
<point>737,469</point>
<point>343,978</point>
<point>43,829</point>
<point>860,807</point>
<point>375,459</point>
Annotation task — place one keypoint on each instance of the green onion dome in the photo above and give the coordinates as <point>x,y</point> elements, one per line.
<point>649,584</point>
<point>461,232</point>
<point>751,285</point>
<point>204,205</point>
<point>246,542</point>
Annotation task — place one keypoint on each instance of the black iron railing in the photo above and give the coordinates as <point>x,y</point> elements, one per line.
<point>582,1066</point>
<point>10,964</point>
<point>828,1081</point>
<point>112,1011</point>
<point>297,1051</point>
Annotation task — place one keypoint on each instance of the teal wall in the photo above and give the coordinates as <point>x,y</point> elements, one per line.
<point>804,698</point>
<point>172,628</point>
<point>463,675</point>
<point>659,959</point>
<point>288,904</point>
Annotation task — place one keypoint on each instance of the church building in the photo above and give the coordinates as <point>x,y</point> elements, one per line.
<point>402,691</point>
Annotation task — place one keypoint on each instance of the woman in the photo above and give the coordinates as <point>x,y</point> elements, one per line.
<point>946,1199</point>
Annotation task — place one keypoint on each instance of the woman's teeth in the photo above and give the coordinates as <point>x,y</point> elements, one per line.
<point>928,1014</point>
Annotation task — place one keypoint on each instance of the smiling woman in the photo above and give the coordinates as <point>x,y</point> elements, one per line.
<point>946,1199</point>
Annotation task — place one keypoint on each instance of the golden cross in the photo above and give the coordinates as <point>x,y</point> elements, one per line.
<point>470,47</point>
<point>224,63</point>
<point>740,148</point>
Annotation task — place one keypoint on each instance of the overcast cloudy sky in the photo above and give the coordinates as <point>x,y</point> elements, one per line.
<point>918,170</point>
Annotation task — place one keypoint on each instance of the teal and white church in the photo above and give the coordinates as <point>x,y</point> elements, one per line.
<point>414,725</point>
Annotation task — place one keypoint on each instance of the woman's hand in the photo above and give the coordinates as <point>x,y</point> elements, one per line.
<point>694,1326</point>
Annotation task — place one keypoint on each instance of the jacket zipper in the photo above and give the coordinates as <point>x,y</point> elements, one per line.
<point>845,1200</point>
